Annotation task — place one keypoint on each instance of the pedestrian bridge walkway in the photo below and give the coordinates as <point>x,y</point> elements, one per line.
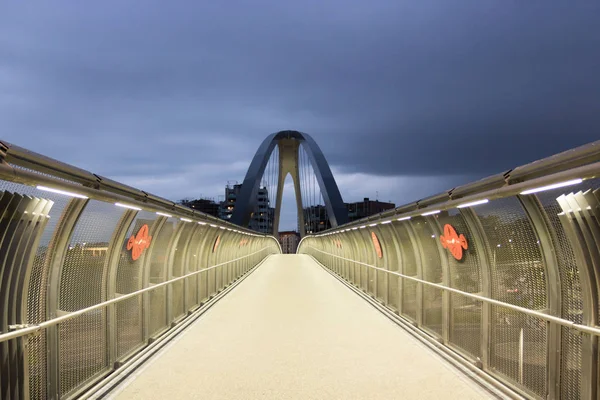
<point>489,289</point>
<point>291,330</point>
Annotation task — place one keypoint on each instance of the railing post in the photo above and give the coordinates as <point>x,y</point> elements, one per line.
<point>169,261</point>
<point>446,306</point>
<point>145,275</point>
<point>553,288</point>
<point>483,257</point>
<point>113,254</point>
<point>400,281</point>
<point>585,249</point>
<point>419,260</point>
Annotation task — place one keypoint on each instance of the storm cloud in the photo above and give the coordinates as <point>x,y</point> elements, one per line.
<point>175,97</point>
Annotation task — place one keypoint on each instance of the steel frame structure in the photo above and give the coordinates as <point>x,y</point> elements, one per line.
<point>556,356</point>
<point>203,270</point>
<point>289,142</point>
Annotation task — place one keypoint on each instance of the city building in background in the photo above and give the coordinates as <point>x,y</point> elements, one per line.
<point>367,208</point>
<point>263,215</point>
<point>289,241</point>
<point>205,205</point>
<point>316,219</point>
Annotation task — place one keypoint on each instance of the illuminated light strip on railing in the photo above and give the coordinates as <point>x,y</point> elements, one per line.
<point>363,227</point>
<point>185,219</point>
<point>213,226</point>
<point>202,223</point>
<point>355,228</point>
<point>128,206</point>
<point>70,315</point>
<point>541,315</point>
<point>372,224</point>
<point>221,227</point>
<point>47,189</point>
<point>473,203</point>
<point>404,219</point>
<point>386,222</point>
<point>553,186</point>
<point>431,213</point>
<point>164,214</point>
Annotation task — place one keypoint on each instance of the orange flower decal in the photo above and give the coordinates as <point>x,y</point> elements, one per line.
<point>137,244</point>
<point>453,242</point>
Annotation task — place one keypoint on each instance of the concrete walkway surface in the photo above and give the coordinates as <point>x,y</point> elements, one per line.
<point>292,331</point>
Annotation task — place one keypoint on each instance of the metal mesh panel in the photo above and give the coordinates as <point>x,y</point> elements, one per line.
<point>409,267</point>
<point>193,258</point>
<point>129,333</point>
<point>571,297</point>
<point>432,272</point>
<point>464,274</point>
<point>371,259</point>
<point>570,366</point>
<point>82,340</point>
<point>36,293</point>
<point>519,349</point>
<point>392,264</point>
<point>157,319</point>
<point>382,277</point>
<point>465,324</point>
<point>518,277</point>
<point>178,268</point>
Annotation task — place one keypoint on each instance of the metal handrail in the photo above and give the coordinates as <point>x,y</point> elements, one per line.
<point>55,321</point>
<point>564,322</point>
<point>588,171</point>
<point>97,191</point>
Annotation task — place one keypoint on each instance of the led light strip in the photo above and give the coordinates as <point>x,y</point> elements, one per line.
<point>47,189</point>
<point>553,186</point>
<point>128,206</point>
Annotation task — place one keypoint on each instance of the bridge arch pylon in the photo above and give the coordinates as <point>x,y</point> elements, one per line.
<point>289,143</point>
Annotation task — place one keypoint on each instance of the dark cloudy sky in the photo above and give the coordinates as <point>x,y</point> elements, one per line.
<point>406,98</point>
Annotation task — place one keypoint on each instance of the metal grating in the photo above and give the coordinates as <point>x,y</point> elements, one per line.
<point>36,293</point>
<point>464,274</point>
<point>409,267</point>
<point>129,276</point>
<point>82,340</point>
<point>157,313</point>
<point>393,260</point>
<point>432,272</point>
<point>518,277</point>
<point>571,296</point>
<point>192,265</point>
<point>177,302</point>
